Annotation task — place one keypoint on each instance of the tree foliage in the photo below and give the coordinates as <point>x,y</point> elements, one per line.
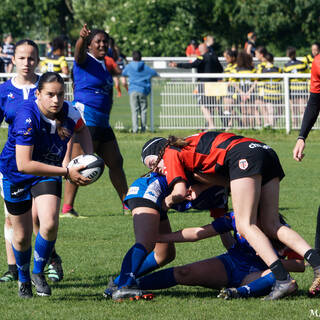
<point>165,27</point>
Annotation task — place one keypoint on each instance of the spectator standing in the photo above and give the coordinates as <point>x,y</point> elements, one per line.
<point>250,45</point>
<point>245,88</point>
<point>120,59</point>
<point>209,41</point>
<point>139,88</point>
<point>56,61</point>
<point>7,53</point>
<point>315,50</point>
<point>192,49</point>
<point>298,86</point>
<point>230,99</point>
<point>271,91</point>
<point>207,62</point>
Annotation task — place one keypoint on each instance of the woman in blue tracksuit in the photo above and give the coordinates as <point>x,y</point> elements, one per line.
<point>92,97</point>
<point>31,167</point>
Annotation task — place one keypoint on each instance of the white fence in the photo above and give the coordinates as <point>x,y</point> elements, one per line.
<point>247,101</point>
<point>162,63</point>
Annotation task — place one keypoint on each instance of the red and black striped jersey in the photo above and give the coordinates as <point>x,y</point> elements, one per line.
<point>315,75</point>
<point>205,153</point>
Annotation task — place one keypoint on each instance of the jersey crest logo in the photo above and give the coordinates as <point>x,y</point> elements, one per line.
<point>28,120</point>
<point>28,131</point>
<point>10,95</point>
<point>133,190</point>
<point>243,164</point>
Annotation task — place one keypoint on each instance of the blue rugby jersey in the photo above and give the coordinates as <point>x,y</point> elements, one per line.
<point>153,187</point>
<point>241,249</point>
<point>31,127</point>
<point>12,96</point>
<point>93,88</point>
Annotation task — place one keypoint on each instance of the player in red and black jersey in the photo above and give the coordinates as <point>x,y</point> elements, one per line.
<point>310,116</point>
<point>253,171</point>
<point>312,111</point>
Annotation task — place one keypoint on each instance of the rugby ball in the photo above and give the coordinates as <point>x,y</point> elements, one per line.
<point>94,166</point>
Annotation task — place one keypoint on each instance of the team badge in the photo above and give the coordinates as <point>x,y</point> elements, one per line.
<point>243,164</point>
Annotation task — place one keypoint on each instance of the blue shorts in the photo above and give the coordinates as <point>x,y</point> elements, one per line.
<point>237,269</point>
<point>91,116</point>
<point>18,198</point>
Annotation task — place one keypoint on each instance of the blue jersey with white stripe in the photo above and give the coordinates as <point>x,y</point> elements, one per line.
<point>12,96</point>
<point>32,128</point>
<point>92,89</point>
<point>153,187</point>
<point>241,249</point>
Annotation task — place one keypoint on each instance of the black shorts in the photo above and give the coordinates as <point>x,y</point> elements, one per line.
<point>141,202</point>
<point>41,188</point>
<point>250,158</point>
<point>203,100</point>
<point>102,134</point>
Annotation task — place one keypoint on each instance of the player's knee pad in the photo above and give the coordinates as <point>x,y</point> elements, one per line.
<point>8,233</point>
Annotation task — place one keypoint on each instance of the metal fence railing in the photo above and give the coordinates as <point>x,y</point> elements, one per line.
<point>162,63</point>
<point>246,102</point>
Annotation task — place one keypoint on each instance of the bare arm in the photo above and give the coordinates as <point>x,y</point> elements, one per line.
<point>211,179</point>
<point>80,51</point>
<point>177,195</point>
<point>67,157</point>
<point>25,164</point>
<point>65,70</point>
<point>188,234</point>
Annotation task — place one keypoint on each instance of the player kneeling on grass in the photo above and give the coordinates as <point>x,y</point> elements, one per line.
<point>31,166</point>
<point>240,269</point>
<point>145,198</point>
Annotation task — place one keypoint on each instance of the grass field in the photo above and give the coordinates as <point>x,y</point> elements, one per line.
<point>92,248</point>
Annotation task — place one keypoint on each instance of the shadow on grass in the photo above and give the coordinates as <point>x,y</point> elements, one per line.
<point>213,294</point>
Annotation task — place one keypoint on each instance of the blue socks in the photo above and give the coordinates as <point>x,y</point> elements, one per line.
<point>257,288</point>
<point>148,265</point>
<point>42,251</point>
<point>23,264</point>
<point>131,265</point>
<point>158,280</point>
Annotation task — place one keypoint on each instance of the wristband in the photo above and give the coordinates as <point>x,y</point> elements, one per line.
<point>66,176</point>
<point>302,138</point>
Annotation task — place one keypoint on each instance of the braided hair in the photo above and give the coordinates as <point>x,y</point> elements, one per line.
<point>172,141</point>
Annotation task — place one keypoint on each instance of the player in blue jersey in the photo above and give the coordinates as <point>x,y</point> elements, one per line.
<point>31,167</point>
<point>239,267</point>
<point>92,97</point>
<point>144,198</point>
<point>13,93</point>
